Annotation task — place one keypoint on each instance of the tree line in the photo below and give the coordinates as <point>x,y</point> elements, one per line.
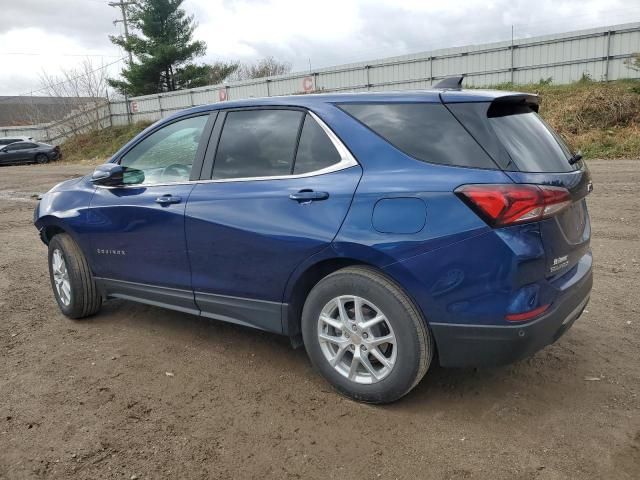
<point>164,53</point>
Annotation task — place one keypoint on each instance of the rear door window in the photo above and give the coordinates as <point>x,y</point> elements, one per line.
<point>425,131</point>
<point>257,143</point>
<point>515,136</point>
<point>315,150</point>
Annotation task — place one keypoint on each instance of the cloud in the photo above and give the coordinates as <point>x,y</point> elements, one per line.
<point>325,33</point>
<point>342,31</point>
<point>88,21</point>
<point>43,52</point>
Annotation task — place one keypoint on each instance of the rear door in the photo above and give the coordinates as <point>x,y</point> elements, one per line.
<point>280,184</point>
<point>529,151</point>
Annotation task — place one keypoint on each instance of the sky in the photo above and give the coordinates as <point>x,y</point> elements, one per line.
<point>39,36</point>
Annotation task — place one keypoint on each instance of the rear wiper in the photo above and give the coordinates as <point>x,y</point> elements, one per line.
<point>575,158</point>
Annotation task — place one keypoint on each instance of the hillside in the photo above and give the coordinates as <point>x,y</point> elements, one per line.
<point>96,147</point>
<point>600,119</point>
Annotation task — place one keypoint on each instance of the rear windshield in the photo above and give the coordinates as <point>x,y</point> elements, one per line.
<point>426,131</point>
<point>515,136</point>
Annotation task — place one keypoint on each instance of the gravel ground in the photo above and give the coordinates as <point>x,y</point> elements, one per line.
<point>140,392</point>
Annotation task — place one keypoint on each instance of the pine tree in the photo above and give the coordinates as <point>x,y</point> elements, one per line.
<point>161,42</point>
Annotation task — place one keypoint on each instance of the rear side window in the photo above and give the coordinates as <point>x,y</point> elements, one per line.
<point>315,150</point>
<point>426,131</point>
<point>515,136</point>
<point>257,143</point>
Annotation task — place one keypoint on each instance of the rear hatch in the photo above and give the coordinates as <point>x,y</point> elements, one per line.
<point>510,130</point>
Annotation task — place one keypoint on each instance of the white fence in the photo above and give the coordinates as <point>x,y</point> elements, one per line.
<point>599,53</point>
<point>90,116</point>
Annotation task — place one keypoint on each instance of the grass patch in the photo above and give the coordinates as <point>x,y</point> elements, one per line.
<point>97,147</point>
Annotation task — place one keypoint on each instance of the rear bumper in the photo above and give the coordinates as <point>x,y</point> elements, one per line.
<point>490,345</point>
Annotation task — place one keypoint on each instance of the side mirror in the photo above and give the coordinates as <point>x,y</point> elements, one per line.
<point>114,175</point>
<point>109,174</point>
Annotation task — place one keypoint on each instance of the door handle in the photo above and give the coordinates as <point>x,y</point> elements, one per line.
<point>168,199</point>
<point>308,196</point>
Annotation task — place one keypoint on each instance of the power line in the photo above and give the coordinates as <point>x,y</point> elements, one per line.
<point>31,92</point>
<point>35,54</point>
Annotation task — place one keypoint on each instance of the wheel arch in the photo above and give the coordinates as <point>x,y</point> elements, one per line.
<point>299,288</point>
<point>326,262</point>
<point>319,266</point>
<point>50,226</point>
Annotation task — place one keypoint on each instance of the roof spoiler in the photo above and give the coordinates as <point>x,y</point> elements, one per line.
<point>450,83</point>
<point>511,101</point>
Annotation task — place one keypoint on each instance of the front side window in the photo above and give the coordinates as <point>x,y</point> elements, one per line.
<point>257,143</point>
<point>425,131</point>
<point>167,155</point>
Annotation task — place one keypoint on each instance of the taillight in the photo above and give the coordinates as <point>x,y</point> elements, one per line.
<point>502,205</point>
<point>524,316</point>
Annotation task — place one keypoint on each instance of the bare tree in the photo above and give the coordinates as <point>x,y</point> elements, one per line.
<point>220,71</point>
<point>267,67</point>
<point>81,97</point>
<point>634,62</point>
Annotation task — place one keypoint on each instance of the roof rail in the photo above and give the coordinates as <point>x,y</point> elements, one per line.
<point>450,83</point>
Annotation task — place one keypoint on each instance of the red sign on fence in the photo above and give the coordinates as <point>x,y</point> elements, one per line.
<point>307,84</point>
<point>133,106</point>
<point>222,94</point>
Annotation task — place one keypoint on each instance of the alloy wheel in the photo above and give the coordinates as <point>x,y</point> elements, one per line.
<point>61,277</point>
<point>357,339</point>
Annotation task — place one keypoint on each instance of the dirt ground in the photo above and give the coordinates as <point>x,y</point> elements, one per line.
<point>140,392</point>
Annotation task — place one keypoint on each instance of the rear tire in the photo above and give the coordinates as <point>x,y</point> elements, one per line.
<point>388,339</point>
<point>41,158</point>
<point>72,282</point>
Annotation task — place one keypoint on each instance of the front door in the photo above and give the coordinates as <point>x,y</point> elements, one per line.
<point>281,187</point>
<point>138,242</point>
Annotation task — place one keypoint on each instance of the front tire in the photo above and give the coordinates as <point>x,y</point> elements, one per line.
<point>41,158</point>
<point>73,285</point>
<point>365,335</point>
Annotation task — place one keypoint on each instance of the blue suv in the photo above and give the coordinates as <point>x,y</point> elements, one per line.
<point>379,230</point>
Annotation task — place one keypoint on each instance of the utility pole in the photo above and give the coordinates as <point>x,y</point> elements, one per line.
<point>122,4</point>
<point>512,68</point>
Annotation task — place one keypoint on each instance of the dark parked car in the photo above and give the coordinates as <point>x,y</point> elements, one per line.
<point>28,152</point>
<point>374,229</point>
